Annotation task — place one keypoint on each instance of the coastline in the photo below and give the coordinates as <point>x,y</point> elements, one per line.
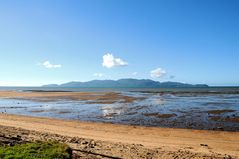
<point>165,140</point>
<point>109,140</point>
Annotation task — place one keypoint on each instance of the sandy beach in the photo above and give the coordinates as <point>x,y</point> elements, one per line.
<point>115,140</point>
<point>198,143</point>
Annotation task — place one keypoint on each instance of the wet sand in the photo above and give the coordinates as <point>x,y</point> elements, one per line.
<point>91,97</point>
<point>197,143</point>
<point>208,112</point>
<point>114,140</point>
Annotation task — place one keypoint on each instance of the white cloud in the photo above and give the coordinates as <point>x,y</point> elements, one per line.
<point>159,72</point>
<point>110,61</point>
<point>135,73</point>
<point>47,64</point>
<point>98,75</point>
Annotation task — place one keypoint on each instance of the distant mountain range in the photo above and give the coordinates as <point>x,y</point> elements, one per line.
<point>125,83</point>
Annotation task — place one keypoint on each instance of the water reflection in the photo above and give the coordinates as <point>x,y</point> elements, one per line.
<point>109,111</point>
<point>156,109</point>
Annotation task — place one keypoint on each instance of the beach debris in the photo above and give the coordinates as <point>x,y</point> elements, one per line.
<point>204,145</point>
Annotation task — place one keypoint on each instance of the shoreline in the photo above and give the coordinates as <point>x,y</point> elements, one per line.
<point>123,108</point>
<point>116,140</point>
<point>166,139</point>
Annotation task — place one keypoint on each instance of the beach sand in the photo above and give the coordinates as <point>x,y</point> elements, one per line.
<point>107,140</point>
<point>166,142</point>
<point>92,97</point>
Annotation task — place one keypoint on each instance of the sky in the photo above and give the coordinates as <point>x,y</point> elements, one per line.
<point>57,41</point>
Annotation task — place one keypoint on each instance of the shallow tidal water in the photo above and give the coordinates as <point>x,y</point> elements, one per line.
<point>211,110</point>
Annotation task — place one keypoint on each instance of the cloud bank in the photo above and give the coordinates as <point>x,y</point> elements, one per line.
<point>159,72</point>
<point>109,61</point>
<point>47,64</point>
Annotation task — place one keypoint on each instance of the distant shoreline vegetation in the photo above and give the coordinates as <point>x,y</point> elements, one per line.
<point>127,83</point>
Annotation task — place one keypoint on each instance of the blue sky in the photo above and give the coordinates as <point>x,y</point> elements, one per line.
<point>193,41</point>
